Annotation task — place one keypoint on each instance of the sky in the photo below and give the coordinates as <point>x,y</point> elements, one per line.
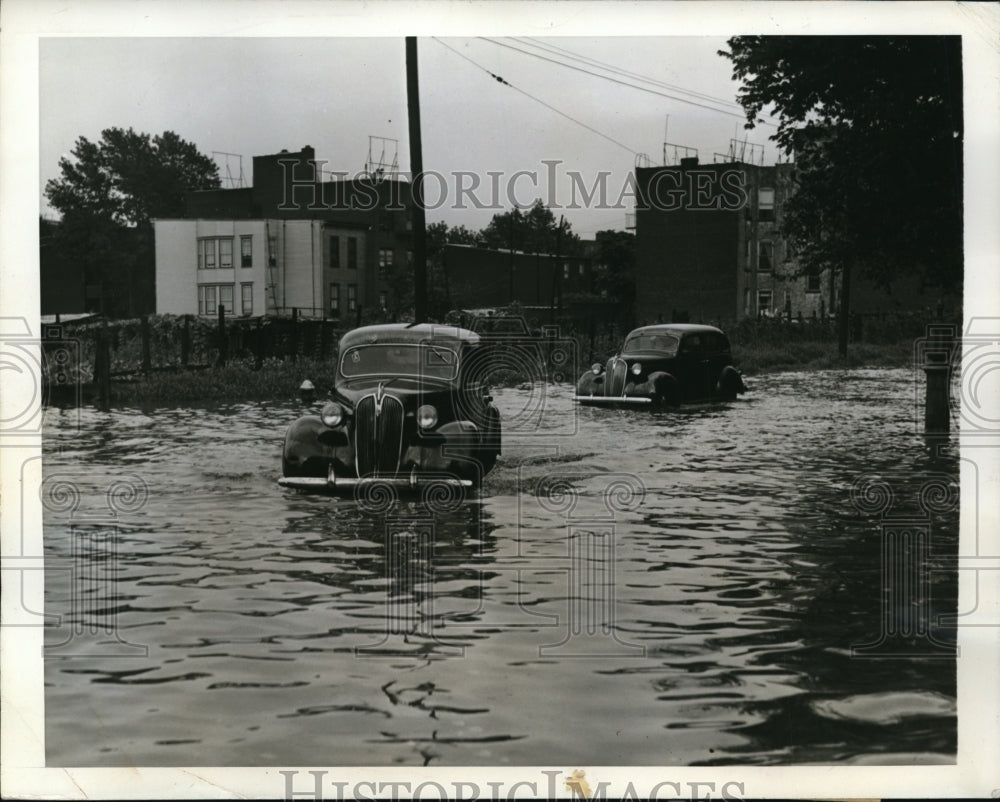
<point>582,105</point>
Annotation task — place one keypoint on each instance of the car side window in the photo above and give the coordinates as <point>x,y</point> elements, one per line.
<point>690,345</point>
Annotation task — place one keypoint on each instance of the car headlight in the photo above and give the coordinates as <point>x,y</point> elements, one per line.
<point>596,368</point>
<point>637,369</point>
<point>427,417</point>
<point>332,414</point>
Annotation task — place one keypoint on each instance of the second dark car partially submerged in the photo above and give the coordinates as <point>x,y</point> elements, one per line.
<point>665,364</point>
<point>408,408</point>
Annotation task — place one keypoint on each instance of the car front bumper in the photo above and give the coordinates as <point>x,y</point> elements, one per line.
<point>612,400</point>
<point>334,482</point>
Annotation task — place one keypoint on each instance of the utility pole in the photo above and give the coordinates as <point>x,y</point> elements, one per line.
<point>417,168</point>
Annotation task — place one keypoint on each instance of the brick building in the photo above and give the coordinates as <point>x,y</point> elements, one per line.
<point>708,245</point>
<point>709,248</point>
<point>290,241</point>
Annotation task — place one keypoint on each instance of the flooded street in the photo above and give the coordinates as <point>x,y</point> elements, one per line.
<point>702,586</point>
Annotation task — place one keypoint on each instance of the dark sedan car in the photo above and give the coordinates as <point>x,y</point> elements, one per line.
<point>665,364</point>
<point>407,409</point>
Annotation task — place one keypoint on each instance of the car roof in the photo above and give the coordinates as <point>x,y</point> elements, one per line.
<point>675,328</point>
<point>403,333</point>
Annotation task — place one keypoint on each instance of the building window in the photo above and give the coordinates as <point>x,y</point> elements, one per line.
<point>764,301</point>
<point>334,255</point>
<point>579,269</point>
<point>566,270</point>
<point>246,291</point>
<point>335,300</point>
<point>212,296</point>
<point>765,256</point>
<point>765,205</point>
<point>385,258</point>
<point>409,258</point>
<point>352,297</point>
<point>383,301</point>
<point>272,251</point>
<point>207,254</point>
<point>208,299</point>
<point>226,253</point>
<point>813,281</point>
<point>352,253</point>
<point>246,251</point>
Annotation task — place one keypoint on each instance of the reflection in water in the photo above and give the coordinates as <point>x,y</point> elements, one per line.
<point>700,586</point>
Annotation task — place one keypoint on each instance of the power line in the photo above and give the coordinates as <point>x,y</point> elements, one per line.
<point>501,80</point>
<point>556,50</point>
<point>613,80</point>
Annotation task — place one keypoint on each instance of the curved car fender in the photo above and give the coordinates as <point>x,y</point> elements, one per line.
<point>461,449</point>
<point>666,387</point>
<point>306,440</point>
<point>591,384</point>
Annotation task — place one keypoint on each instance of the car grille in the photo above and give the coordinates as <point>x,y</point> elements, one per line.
<point>616,374</point>
<point>378,439</point>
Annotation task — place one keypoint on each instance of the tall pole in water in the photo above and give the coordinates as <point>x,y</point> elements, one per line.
<point>417,170</point>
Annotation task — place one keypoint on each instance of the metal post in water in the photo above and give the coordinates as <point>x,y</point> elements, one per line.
<point>937,368</point>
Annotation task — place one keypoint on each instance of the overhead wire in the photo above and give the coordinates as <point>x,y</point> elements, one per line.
<point>556,50</point>
<point>549,106</point>
<point>612,80</point>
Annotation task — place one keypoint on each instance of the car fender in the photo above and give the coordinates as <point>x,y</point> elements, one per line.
<point>310,445</point>
<point>665,387</point>
<point>591,384</point>
<point>730,383</point>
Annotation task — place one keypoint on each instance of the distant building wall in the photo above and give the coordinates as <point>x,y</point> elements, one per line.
<point>62,282</point>
<point>709,246</point>
<point>482,277</point>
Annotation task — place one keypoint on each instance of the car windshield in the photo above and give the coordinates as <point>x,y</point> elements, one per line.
<point>421,360</point>
<point>659,342</point>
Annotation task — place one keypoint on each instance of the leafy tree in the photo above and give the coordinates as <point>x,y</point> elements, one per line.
<point>875,125</point>
<point>534,231</point>
<point>108,193</point>
<point>129,178</point>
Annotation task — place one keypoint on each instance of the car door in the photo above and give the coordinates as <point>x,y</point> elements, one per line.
<point>717,356</point>
<point>692,366</point>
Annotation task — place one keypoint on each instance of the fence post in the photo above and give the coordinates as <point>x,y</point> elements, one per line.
<point>144,331</point>
<point>222,336</point>
<point>258,343</point>
<point>295,334</point>
<point>186,341</point>
<point>102,366</point>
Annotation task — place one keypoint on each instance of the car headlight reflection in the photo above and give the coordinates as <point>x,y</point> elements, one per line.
<point>332,414</point>
<point>427,417</point>
<point>637,369</point>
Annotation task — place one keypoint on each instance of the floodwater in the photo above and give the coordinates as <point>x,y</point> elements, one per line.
<point>694,587</point>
